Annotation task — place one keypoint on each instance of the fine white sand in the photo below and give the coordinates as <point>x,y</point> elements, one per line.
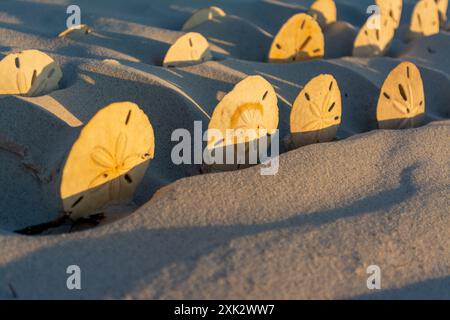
<point>373,197</point>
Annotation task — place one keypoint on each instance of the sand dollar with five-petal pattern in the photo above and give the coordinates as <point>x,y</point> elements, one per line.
<point>316,113</point>
<point>108,161</point>
<point>402,99</point>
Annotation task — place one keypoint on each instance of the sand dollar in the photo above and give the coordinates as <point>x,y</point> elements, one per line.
<point>299,39</point>
<point>372,41</point>
<point>402,100</point>
<point>425,19</point>
<point>108,160</point>
<point>391,9</point>
<point>190,49</point>
<point>29,73</point>
<point>251,105</point>
<point>316,113</point>
<point>324,11</point>
<point>82,29</point>
<point>201,16</point>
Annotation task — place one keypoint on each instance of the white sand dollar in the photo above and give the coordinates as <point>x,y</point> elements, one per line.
<point>108,160</point>
<point>372,42</point>
<point>29,73</point>
<point>324,11</point>
<point>201,16</point>
<point>299,39</point>
<point>392,9</point>
<point>402,100</point>
<point>442,7</point>
<point>82,29</point>
<point>190,49</point>
<point>250,106</point>
<point>316,113</point>
<point>425,19</point>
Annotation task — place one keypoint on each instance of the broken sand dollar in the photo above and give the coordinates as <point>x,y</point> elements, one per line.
<point>392,9</point>
<point>324,11</point>
<point>29,73</point>
<point>316,113</point>
<point>189,49</point>
<point>442,7</point>
<point>247,113</point>
<point>299,39</point>
<point>370,41</point>
<point>108,160</point>
<point>425,19</point>
<point>201,16</point>
<point>401,103</point>
<point>82,29</point>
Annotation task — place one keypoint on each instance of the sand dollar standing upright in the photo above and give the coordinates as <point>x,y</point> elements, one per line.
<point>246,113</point>
<point>316,113</point>
<point>425,19</point>
<point>370,41</point>
<point>299,39</point>
<point>29,72</point>
<point>392,9</point>
<point>324,11</point>
<point>189,49</point>
<point>108,161</point>
<point>402,100</point>
<point>201,16</point>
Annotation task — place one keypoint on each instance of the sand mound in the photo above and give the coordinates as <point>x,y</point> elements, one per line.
<point>381,199</point>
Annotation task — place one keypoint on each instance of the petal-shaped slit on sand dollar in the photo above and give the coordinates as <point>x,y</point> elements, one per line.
<point>190,49</point>
<point>29,73</point>
<point>425,19</point>
<point>371,41</point>
<point>108,160</point>
<point>391,9</point>
<point>247,113</point>
<point>401,103</point>
<point>201,16</point>
<point>316,113</point>
<point>324,11</point>
<point>299,39</point>
<point>442,7</point>
<point>82,29</point>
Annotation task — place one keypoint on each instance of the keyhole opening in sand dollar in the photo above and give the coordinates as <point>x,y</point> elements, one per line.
<point>246,121</point>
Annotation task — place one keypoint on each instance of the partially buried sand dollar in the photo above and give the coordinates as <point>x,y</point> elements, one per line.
<point>29,73</point>
<point>82,29</point>
<point>201,16</point>
<point>316,113</point>
<point>372,41</point>
<point>108,161</point>
<point>402,101</point>
<point>392,9</point>
<point>251,105</point>
<point>247,113</point>
<point>299,39</point>
<point>324,11</point>
<point>425,19</point>
<point>190,49</point>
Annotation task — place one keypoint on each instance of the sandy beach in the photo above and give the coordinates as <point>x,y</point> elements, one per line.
<point>369,197</point>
